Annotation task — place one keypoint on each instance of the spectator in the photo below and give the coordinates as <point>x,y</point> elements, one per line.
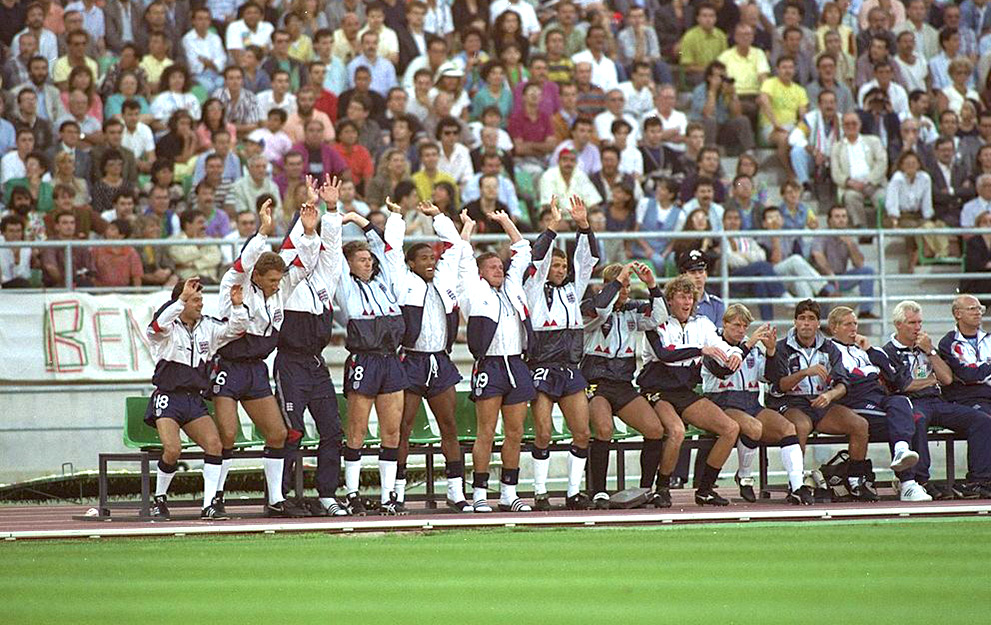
<point>878,52</point>
<point>113,133</point>
<point>494,91</point>
<point>246,227</point>
<point>834,255</point>
<point>560,67</point>
<point>195,260</point>
<point>205,53</point>
<point>393,168</point>
<point>604,72</point>
<point>951,183</point>
<point>638,43</point>
<point>831,19</point>
<point>111,181</point>
<point>383,73</point>
<point>163,176</point>
<point>337,12</point>
<point>883,81</point>
<point>487,203</point>
<point>698,220</point>
<point>35,172</point>
<point>88,222</point>
<point>747,164</point>
<point>12,165</point>
<point>138,137</point>
<point>707,166</point>
<point>65,164</point>
<point>858,165</point>
<point>174,95</point>
<point>507,31</point>
<point>206,200</point>
<point>81,79</point>
<point>273,139</point>
<point>793,45</point>
<point>157,60</point>
<point>454,157</point>
<point>908,204</point>
<point>46,43</point>
<point>717,107</point>
<point>256,79</point>
<point>22,206</point>
<point>26,117</point>
<point>429,175</point>
<point>436,56</point>
<point>493,140</point>
<point>952,96</point>
<point>123,209</point>
<point>610,176</point>
<point>439,20</point>
<point>230,163</point>
<point>356,157</point>
<point>241,105</point>
<point>160,209</point>
<point>746,258</point>
<point>638,92</point>
<point>630,158</point>
<point>15,69</point>
<point>278,96</point>
<point>812,141</point>
<point>179,145</point>
<point>491,164</point>
<point>300,43</point>
<point>412,38</point>
<point>701,45</point>
<point>794,214</point>
<point>589,157</point>
<point>783,104</point>
<point>327,100</point>
<point>76,43</point>
<point>8,134</point>
<point>362,85</point>
<point>977,258</point>
<point>939,65</point>
<point>53,258</point>
<point>249,30</point>
<point>784,252</point>
<point>615,110</point>
<point>591,98</point>
<point>246,190</point>
<point>918,111</point>
<point>743,201</point>
<point>566,179</point>
<point>79,113</point>
<point>156,265</point>
<point>978,205</point>
<point>747,66</point>
<point>913,67</point>
<point>129,63</point>
<point>660,213</point>
<point>620,217</point>
<point>349,203</point>
<point>116,266</point>
<point>69,143</point>
<point>279,59</point>
<point>532,133</point>
<point>549,101</point>
<point>826,68</point>
<point>15,262</point>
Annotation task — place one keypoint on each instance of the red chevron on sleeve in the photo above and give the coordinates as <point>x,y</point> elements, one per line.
<point>237,266</point>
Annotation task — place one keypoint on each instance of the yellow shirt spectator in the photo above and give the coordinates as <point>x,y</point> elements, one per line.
<point>62,69</point>
<point>699,48</point>
<point>154,67</point>
<point>425,185</point>
<point>745,70</point>
<point>786,102</point>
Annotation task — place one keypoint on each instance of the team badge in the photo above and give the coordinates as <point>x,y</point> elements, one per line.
<point>204,347</point>
<point>289,406</point>
<point>277,317</point>
<point>322,296</point>
<point>631,325</point>
<point>356,385</point>
<point>450,294</point>
<point>216,389</point>
<point>570,297</point>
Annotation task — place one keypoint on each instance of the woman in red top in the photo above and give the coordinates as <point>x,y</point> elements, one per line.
<point>356,156</point>
<point>116,266</point>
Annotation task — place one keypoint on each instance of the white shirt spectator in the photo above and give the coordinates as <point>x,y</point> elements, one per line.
<point>857,154</point>
<point>604,74</point>
<point>11,166</point>
<point>676,119</point>
<point>904,197</point>
<point>211,47</point>
<point>47,46</point>
<point>552,183</point>
<point>140,141</point>
<point>505,142</point>
<point>239,36</point>
<point>169,102</point>
<point>896,95</point>
<point>603,126</point>
<point>274,145</point>
<point>11,269</point>
<point>266,102</point>
<point>631,161</point>
<point>93,19</point>
<point>638,103</point>
<point>973,208</point>
<point>914,74</point>
<point>528,16</point>
<point>457,106</point>
<point>438,20</point>
<point>715,213</point>
<point>388,41</point>
<point>927,128</point>
<point>458,165</point>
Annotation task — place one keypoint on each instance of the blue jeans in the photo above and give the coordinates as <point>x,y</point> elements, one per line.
<point>865,285</point>
<point>210,80</point>
<point>803,164</point>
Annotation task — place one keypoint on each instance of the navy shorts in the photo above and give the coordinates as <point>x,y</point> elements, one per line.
<point>803,404</point>
<point>181,406</point>
<point>243,380</point>
<point>428,374</point>
<point>558,381</point>
<point>371,374</point>
<point>617,393</point>
<point>681,399</point>
<point>750,405</point>
<point>491,378</point>
<point>298,380</point>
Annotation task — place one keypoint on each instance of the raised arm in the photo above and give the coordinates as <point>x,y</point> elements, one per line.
<point>234,326</point>
<point>307,246</point>
<point>658,312</point>
<point>161,323</point>
<point>331,223</point>
<point>519,262</point>
<point>596,309</point>
<point>448,265</point>
<point>542,256</point>
<point>586,249</point>
<point>395,233</point>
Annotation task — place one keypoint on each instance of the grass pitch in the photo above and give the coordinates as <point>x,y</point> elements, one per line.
<point>904,572</point>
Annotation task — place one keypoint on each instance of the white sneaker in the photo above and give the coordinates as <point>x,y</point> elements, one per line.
<point>481,506</point>
<point>911,491</point>
<point>903,460</point>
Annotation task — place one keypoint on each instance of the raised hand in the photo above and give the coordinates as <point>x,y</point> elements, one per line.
<point>862,342</point>
<point>500,217</point>
<point>770,339</point>
<point>645,274</point>
<point>396,208</point>
<point>428,208</point>
<point>555,212</point>
<point>923,342</point>
<point>330,191</point>
<point>267,226</point>
<point>191,288</point>
<point>237,295</point>
<point>624,273</point>
<point>467,225</point>
<point>311,189</point>
<point>309,217</point>
<point>579,212</point>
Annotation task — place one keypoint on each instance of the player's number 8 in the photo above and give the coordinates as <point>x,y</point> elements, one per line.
<point>359,372</point>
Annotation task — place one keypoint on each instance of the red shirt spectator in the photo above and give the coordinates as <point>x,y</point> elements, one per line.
<point>357,157</point>
<point>116,266</point>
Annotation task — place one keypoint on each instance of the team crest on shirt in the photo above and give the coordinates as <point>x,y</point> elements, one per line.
<point>750,360</point>
<point>450,294</point>
<point>277,317</point>
<point>322,296</point>
<point>204,347</point>
<point>631,325</point>
<point>570,297</point>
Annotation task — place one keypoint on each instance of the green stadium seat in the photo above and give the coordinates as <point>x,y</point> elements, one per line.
<point>199,91</point>
<point>370,439</point>
<point>137,433</point>
<point>464,417</point>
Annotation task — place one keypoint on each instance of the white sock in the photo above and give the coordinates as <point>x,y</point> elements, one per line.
<point>326,501</point>
<point>387,478</point>
<point>225,467</point>
<point>455,489</point>
<point>352,475</point>
<point>211,477</point>
<point>480,494</point>
<point>400,491</point>
<point>507,493</point>
<point>791,458</point>
<point>745,456</point>
<point>273,479</point>
<point>901,446</point>
<point>541,466</point>
<point>853,481</point>
<point>576,471</point>
<point>162,482</point>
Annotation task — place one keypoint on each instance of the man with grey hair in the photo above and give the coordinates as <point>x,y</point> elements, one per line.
<point>858,165</point>
<point>247,189</point>
<point>981,203</point>
<point>967,350</point>
<point>911,348</point>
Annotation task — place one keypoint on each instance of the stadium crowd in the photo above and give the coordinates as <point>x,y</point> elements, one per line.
<point>210,120</point>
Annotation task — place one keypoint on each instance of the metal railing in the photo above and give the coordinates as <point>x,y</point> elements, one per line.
<point>884,293</point>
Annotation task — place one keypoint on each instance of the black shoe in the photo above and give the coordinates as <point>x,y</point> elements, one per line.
<point>160,508</point>
<point>218,502</point>
<point>210,513</point>
<point>355,505</point>
<point>285,510</point>
<point>660,498</point>
<point>746,485</point>
<point>801,497</point>
<point>966,490</point>
<point>677,482</point>
<point>938,492</point>
<point>542,503</point>
<point>578,501</point>
<point>864,490</point>
<point>709,497</point>
<point>393,507</point>
<point>306,506</point>
<point>600,501</point>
